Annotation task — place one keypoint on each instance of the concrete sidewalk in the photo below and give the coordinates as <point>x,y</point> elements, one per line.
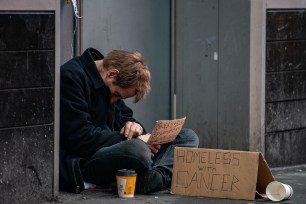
<point>294,176</point>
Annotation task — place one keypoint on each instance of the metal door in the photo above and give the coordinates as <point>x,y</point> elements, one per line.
<point>196,67</point>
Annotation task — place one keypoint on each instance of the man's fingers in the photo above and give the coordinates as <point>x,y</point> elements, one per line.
<point>132,129</point>
<point>126,129</point>
<point>139,130</point>
<point>157,146</point>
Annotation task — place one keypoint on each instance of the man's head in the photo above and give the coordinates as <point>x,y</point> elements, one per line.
<point>126,74</point>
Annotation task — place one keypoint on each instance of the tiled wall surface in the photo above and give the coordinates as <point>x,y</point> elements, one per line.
<point>285,112</point>
<point>27,64</point>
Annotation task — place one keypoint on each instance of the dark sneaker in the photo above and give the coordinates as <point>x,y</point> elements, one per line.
<point>149,182</point>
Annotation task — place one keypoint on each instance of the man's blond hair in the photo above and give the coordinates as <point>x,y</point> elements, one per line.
<point>133,72</point>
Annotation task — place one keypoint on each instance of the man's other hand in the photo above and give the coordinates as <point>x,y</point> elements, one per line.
<point>154,149</point>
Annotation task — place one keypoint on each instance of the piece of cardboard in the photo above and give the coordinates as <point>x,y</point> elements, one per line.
<point>164,131</point>
<point>219,173</point>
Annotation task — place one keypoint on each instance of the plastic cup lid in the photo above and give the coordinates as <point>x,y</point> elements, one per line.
<point>126,172</point>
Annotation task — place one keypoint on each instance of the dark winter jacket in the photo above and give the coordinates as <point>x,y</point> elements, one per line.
<point>88,121</point>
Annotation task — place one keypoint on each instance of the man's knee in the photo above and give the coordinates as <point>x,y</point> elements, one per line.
<point>189,137</point>
<point>137,149</point>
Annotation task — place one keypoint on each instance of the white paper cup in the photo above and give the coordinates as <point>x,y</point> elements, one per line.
<point>277,191</point>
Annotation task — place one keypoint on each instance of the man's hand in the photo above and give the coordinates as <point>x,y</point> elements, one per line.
<point>154,149</point>
<point>131,129</point>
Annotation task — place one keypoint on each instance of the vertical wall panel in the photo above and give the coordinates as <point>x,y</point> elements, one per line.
<point>212,70</point>
<point>234,74</point>
<point>286,87</point>
<point>196,67</point>
<point>27,85</point>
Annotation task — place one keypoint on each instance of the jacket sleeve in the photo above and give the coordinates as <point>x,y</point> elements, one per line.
<point>78,134</point>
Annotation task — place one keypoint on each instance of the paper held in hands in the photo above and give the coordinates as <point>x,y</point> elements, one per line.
<point>164,131</point>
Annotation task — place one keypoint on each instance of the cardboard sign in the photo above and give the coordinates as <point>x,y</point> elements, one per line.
<point>164,131</point>
<point>219,173</point>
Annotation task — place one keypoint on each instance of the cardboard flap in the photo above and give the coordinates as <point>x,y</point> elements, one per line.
<point>264,176</point>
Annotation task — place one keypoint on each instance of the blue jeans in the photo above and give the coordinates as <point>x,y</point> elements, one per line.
<point>135,154</point>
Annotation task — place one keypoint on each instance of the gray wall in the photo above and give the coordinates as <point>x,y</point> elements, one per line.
<point>135,25</point>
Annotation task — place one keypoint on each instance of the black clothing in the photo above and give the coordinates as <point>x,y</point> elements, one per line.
<point>88,121</point>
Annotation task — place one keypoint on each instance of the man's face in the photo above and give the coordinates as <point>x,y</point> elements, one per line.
<point>118,93</point>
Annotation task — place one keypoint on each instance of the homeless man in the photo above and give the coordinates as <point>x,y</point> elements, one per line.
<point>98,134</point>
